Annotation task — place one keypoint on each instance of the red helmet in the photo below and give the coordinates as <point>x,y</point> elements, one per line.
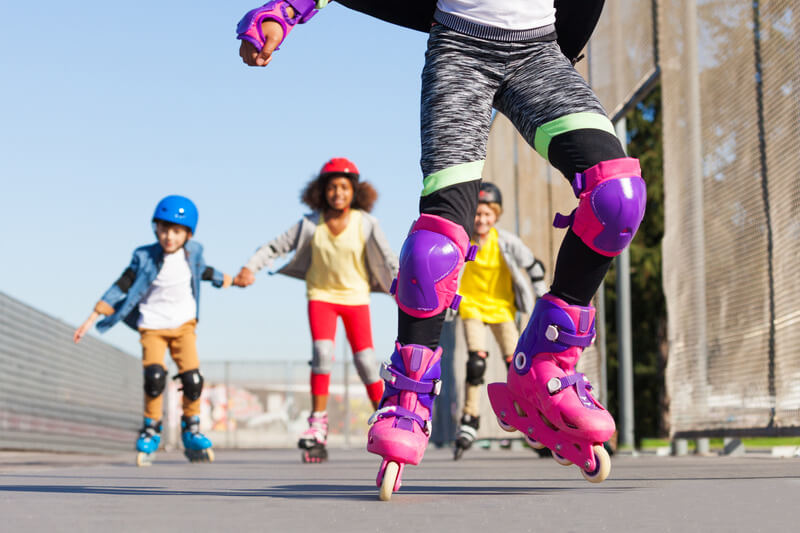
<point>340,165</point>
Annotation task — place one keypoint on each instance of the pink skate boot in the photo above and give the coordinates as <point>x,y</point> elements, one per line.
<point>314,439</point>
<point>401,426</point>
<point>546,399</point>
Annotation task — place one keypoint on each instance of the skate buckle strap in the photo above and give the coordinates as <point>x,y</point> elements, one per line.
<point>472,251</point>
<point>581,383</point>
<point>400,412</point>
<point>553,333</point>
<point>399,381</point>
<point>564,221</point>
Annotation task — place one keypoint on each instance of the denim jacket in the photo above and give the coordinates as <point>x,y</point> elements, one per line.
<point>127,292</point>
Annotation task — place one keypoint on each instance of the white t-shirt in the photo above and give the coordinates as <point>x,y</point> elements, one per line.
<point>169,302</point>
<point>506,14</point>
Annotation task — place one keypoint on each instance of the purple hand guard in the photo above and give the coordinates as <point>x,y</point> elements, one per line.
<point>249,28</point>
<point>612,200</point>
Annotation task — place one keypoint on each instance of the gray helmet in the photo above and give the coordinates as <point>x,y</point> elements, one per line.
<point>489,194</point>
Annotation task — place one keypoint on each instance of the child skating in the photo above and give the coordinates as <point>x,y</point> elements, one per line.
<point>501,54</point>
<point>159,295</point>
<point>342,254</point>
<point>493,287</point>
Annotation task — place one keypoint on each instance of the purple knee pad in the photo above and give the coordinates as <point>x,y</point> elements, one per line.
<point>249,28</point>
<point>430,262</point>
<point>612,197</point>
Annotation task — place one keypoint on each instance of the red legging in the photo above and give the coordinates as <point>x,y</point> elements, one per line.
<point>322,317</point>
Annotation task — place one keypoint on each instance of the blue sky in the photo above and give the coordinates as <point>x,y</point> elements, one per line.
<point>105,108</point>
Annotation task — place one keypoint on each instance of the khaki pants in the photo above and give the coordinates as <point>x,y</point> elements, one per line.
<point>182,344</point>
<point>506,335</point>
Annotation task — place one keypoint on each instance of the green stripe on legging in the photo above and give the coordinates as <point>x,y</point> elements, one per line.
<point>567,123</point>
<point>321,3</point>
<point>452,175</point>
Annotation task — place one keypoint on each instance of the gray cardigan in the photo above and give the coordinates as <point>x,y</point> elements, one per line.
<point>381,262</point>
<point>525,270</point>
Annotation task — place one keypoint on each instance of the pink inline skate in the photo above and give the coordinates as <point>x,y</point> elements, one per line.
<point>401,426</point>
<point>546,399</point>
<point>314,439</point>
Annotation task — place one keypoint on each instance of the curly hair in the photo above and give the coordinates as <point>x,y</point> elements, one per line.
<point>313,194</point>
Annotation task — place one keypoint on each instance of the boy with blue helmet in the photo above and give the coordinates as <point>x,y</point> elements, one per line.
<point>159,295</point>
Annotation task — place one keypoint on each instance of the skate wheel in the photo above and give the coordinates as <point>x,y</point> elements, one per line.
<point>144,459</point>
<point>210,455</point>
<point>563,461</point>
<point>602,467</point>
<point>504,426</point>
<point>533,443</point>
<point>389,478</point>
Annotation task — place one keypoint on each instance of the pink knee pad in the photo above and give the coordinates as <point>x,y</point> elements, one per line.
<point>612,197</point>
<point>249,28</point>
<point>430,262</point>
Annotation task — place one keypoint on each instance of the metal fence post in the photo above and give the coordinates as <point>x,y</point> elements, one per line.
<point>625,352</point>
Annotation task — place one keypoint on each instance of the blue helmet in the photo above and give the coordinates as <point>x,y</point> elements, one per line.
<point>177,210</point>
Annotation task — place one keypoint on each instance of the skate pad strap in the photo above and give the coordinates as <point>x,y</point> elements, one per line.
<point>612,197</point>
<point>249,28</point>
<point>579,381</point>
<point>400,412</point>
<point>397,380</point>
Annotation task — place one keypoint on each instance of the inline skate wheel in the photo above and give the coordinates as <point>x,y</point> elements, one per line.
<point>144,459</point>
<point>533,443</point>
<point>563,461</point>
<point>504,426</point>
<point>602,465</point>
<point>389,478</point>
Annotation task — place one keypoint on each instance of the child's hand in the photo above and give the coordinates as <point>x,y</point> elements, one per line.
<point>227,281</point>
<point>244,278</point>
<point>85,327</point>
<point>273,34</point>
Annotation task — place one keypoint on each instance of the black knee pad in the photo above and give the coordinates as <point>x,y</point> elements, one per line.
<point>192,382</point>
<point>476,367</point>
<point>155,379</point>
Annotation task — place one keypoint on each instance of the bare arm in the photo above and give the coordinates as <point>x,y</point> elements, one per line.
<point>85,327</point>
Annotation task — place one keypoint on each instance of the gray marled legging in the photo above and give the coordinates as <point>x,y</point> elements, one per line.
<point>532,83</point>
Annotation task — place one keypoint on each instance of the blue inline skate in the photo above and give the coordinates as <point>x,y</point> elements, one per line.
<point>196,446</point>
<point>148,441</point>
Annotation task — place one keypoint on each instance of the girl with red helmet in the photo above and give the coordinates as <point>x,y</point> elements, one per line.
<point>342,254</point>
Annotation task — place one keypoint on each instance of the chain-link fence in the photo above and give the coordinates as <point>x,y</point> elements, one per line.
<point>731,91</point>
<point>265,404</point>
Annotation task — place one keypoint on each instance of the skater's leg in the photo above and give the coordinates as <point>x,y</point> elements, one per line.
<point>477,352</point>
<point>322,322</point>
<point>358,327</point>
<point>322,318</point>
<point>556,111</point>
<point>560,117</point>
<point>154,348</point>
<point>183,349</point>
<point>506,334</point>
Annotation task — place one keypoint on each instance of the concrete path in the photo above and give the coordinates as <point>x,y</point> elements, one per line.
<point>490,492</point>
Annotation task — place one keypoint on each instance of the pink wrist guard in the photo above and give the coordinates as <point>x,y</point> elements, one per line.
<point>249,28</point>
